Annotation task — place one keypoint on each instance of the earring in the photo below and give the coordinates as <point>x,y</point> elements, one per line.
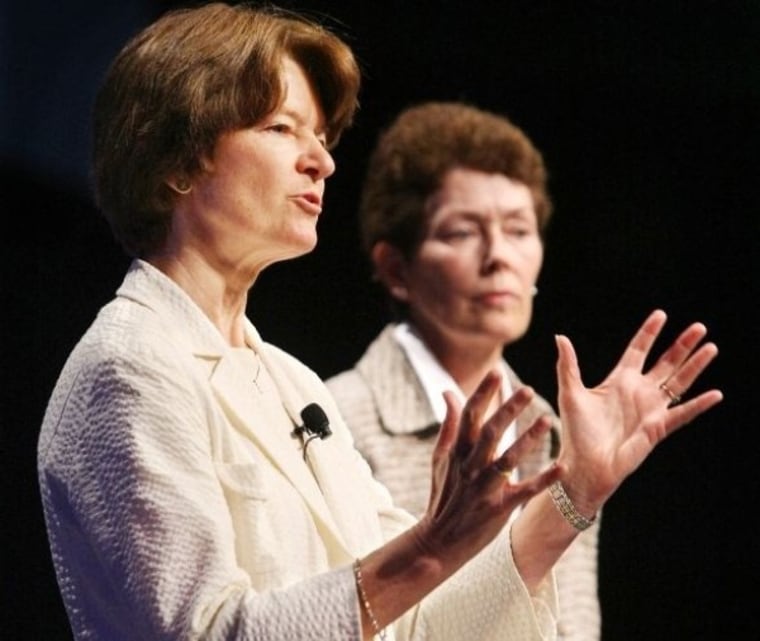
<point>398,292</point>
<point>183,186</point>
<point>534,291</point>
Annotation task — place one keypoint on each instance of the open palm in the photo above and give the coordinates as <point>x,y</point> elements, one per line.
<point>609,430</point>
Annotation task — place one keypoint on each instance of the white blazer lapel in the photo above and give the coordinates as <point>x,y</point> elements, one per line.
<point>189,327</point>
<point>347,499</point>
<point>240,406</point>
<point>354,516</point>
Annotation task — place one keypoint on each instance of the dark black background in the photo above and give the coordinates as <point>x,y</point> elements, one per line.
<point>647,114</point>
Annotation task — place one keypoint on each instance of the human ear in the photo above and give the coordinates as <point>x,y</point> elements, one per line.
<point>390,269</point>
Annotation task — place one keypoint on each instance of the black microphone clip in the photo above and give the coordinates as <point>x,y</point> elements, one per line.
<point>315,424</point>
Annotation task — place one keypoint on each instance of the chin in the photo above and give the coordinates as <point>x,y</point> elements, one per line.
<point>304,243</point>
<point>509,334</point>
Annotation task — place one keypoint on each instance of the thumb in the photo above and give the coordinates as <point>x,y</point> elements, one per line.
<point>568,372</point>
<point>449,428</point>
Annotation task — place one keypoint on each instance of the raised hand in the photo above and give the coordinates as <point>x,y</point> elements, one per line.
<point>472,496</point>
<point>609,430</point>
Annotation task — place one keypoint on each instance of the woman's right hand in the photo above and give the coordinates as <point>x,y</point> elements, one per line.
<point>472,495</point>
<point>471,500</point>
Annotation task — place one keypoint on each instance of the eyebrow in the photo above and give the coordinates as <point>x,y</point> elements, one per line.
<point>515,212</point>
<point>300,120</point>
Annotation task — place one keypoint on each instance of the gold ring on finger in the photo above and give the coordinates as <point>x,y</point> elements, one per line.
<point>506,473</point>
<point>674,398</point>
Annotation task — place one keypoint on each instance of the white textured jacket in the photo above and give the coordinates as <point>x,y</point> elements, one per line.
<point>394,426</point>
<point>179,506</point>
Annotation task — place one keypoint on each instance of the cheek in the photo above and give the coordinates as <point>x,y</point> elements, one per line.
<point>447,269</point>
<point>533,258</point>
<point>440,286</point>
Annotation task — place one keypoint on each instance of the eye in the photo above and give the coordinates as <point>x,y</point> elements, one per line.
<point>521,231</point>
<point>519,227</point>
<point>279,128</point>
<point>454,234</point>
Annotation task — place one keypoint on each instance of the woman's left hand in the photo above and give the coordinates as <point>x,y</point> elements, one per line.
<point>610,429</point>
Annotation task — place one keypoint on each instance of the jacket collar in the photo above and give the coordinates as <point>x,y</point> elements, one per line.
<point>400,399</point>
<point>187,326</point>
<point>404,408</point>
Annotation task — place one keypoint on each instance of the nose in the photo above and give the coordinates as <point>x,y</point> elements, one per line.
<point>316,160</point>
<point>498,251</point>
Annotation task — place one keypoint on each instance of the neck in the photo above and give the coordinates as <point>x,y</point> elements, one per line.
<point>222,299</point>
<point>467,362</point>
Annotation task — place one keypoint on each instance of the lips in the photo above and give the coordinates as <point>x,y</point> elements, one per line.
<point>310,202</point>
<point>497,298</point>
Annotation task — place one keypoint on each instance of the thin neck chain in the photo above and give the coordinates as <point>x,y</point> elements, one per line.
<point>256,375</point>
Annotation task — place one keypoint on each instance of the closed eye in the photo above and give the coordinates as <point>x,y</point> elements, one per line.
<point>279,128</point>
<point>456,234</point>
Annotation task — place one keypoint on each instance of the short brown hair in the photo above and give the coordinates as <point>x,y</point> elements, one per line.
<point>191,76</point>
<point>416,151</point>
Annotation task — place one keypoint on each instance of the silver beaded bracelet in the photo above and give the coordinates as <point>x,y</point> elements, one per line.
<point>380,632</point>
<point>567,509</point>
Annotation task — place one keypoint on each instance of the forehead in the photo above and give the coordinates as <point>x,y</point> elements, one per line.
<point>463,188</point>
<point>298,89</point>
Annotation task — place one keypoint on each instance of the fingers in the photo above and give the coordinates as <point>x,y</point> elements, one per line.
<point>474,411</point>
<point>525,443</point>
<point>447,436</point>
<point>492,431</point>
<point>684,376</point>
<point>448,432</point>
<point>680,415</point>
<point>466,445</point>
<point>673,372</point>
<point>461,427</point>
<point>641,344</point>
<point>524,490</point>
<point>568,372</point>
<point>508,461</point>
<point>473,438</point>
<point>680,365</point>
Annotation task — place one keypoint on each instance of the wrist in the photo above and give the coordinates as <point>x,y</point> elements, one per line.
<point>582,487</point>
<point>580,517</point>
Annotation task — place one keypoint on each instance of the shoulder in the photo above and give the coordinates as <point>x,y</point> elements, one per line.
<point>129,341</point>
<point>348,384</point>
<point>123,381</point>
<point>356,383</point>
